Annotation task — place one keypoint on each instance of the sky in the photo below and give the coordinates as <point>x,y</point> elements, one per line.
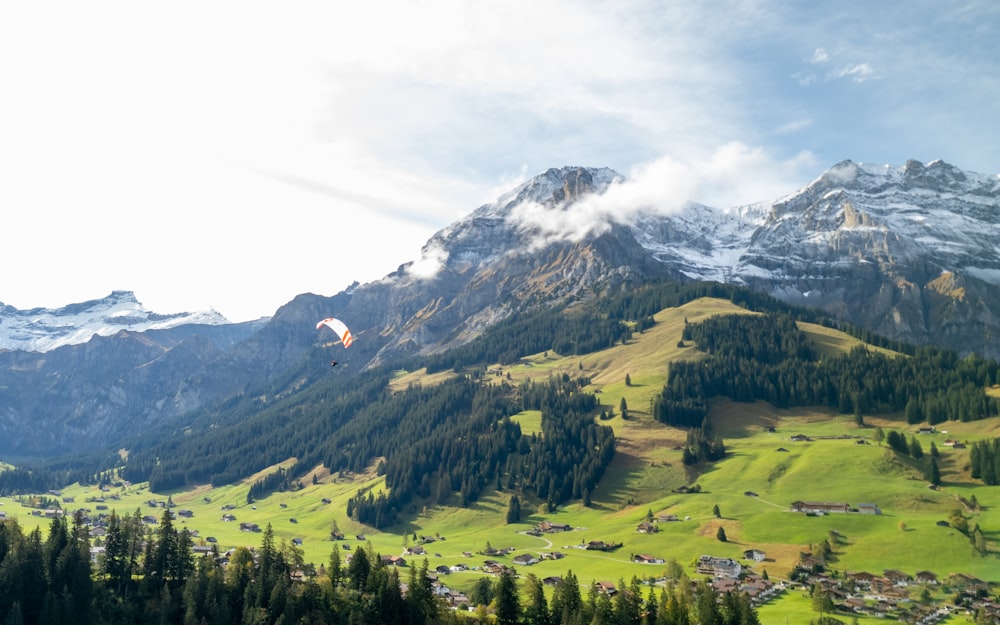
<point>232,155</point>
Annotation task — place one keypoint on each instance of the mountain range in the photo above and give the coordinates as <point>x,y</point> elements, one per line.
<point>906,252</point>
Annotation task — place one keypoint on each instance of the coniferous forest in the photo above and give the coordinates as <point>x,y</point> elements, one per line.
<point>449,444</point>
<point>767,358</point>
<point>151,576</point>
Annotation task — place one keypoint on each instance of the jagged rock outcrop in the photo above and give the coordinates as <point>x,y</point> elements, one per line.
<point>908,252</point>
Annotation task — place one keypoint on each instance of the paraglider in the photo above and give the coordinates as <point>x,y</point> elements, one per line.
<point>340,328</point>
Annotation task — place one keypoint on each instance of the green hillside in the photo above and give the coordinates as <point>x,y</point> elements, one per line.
<point>764,471</point>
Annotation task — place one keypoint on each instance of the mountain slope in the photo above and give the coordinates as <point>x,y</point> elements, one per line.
<point>907,252</point>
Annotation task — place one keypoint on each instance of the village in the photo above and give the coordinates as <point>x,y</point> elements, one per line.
<point>891,594</point>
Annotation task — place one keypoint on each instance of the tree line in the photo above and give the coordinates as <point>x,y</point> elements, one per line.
<point>984,461</point>
<point>450,443</point>
<point>766,357</point>
<point>151,576</point>
<point>286,418</point>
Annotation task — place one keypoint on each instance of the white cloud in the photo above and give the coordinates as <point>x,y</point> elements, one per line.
<point>343,122</point>
<point>794,126</point>
<point>858,72</point>
<point>432,260</point>
<point>820,55</point>
<point>733,175</point>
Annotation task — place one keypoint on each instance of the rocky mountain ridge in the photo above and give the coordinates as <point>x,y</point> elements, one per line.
<point>45,329</point>
<point>907,252</point>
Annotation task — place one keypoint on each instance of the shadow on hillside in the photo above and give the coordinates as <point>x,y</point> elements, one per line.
<point>615,490</point>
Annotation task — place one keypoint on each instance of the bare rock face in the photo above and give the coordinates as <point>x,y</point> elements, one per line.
<point>907,252</point>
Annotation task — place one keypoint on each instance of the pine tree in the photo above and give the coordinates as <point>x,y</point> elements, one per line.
<point>335,572</point>
<point>514,510</point>
<point>359,569</point>
<point>508,604</point>
<point>536,609</point>
<point>934,472</point>
<point>721,534</point>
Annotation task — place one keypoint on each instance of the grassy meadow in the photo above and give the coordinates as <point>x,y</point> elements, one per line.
<point>753,487</point>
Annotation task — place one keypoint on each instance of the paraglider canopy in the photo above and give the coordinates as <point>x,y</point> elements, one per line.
<point>337,326</point>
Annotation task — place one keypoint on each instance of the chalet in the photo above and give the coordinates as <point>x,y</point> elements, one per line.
<point>606,588</point>
<point>497,568</point>
<point>187,514</point>
<point>249,527</point>
<point>869,508</point>
<point>97,532</point>
<point>600,545</point>
<point>546,526</point>
<point>101,506</point>
<point>458,568</point>
<point>326,501</point>
<point>647,528</point>
<point>96,553</point>
<point>457,598</point>
<point>819,506</point>
<point>926,429</point>
<point>414,550</point>
<point>552,580</point>
<point>297,541</point>
<point>861,579</point>
<point>880,584</point>
<point>229,518</point>
<point>393,560</point>
<point>898,578</point>
<point>555,555</point>
<point>755,555</point>
<point>201,550</point>
<point>643,558</point>
<point>926,577</point>
<point>758,589</point>
<point>149,520</point>
<point>718,567</point>
<point>211,539</point>
<point>800,438</point>
<point>525,559</point>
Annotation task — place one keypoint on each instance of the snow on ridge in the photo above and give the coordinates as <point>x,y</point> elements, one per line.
<point>45,329</point>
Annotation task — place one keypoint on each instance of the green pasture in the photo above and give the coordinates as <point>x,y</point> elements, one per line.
<point>764,472</point>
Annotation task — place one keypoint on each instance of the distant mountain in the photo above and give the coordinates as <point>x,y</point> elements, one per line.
<point>908,252</point>
<point>45,329</point>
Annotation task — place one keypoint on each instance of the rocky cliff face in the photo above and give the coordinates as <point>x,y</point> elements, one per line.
<point>908,252</point>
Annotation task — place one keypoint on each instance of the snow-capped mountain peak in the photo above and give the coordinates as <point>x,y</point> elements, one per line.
<point>45,329</point>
